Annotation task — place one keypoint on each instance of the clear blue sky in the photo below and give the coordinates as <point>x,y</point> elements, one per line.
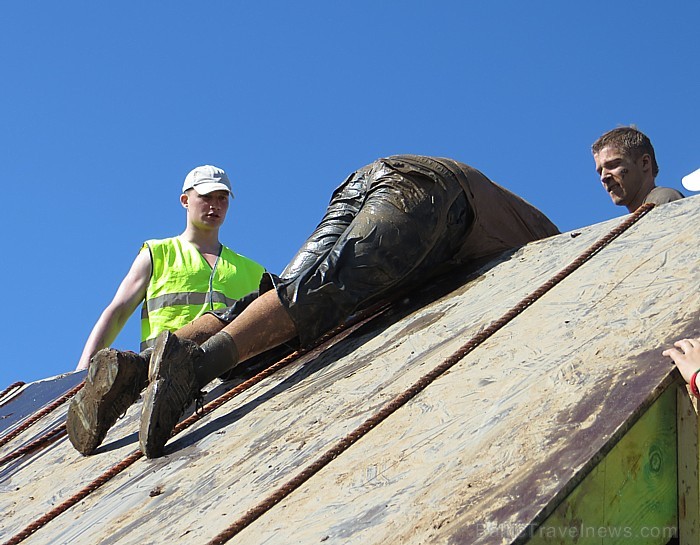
<point>106,107</point>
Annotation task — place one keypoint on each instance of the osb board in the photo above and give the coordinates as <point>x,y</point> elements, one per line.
<point>497,442</point>
<point>631,496</point>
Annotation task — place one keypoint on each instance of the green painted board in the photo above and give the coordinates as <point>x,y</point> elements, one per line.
<point>630,497</point>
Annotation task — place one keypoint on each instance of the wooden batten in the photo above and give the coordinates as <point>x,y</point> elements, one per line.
<point>688,468</point>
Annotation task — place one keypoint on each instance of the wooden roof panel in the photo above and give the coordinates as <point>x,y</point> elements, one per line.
<point>494,443</point>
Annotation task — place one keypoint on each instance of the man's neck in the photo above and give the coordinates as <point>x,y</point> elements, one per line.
<point>207,242</point>
<point>641,196</point>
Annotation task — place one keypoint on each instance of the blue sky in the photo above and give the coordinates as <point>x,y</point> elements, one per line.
<point>106,106</point>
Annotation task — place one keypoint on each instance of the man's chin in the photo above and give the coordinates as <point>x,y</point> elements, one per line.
<point>619,201</point>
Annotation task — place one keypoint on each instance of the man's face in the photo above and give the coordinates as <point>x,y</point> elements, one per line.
<point>207,211</point>
<point>622,176</point>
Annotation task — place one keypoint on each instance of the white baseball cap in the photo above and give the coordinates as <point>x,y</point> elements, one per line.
<point>206,179</point>
<point>692,181</point>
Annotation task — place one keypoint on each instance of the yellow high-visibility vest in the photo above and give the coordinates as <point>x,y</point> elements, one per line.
<point>184,286</point>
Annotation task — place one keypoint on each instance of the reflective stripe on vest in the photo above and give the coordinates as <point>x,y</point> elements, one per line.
<point>191,298</point>
<point>184,286</point>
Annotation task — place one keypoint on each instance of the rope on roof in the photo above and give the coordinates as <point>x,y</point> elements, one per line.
<point>46,439</point>
<point>38,416</point>
<point>13,386</point>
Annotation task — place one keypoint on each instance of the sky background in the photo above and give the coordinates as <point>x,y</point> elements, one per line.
<point>106,106</point>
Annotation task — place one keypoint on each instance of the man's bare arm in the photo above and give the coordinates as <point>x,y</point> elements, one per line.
<point>129,295</point>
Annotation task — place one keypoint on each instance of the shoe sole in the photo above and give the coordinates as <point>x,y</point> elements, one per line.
<point>88,420</point>
<point>150,421</point>
<point>156,414</point>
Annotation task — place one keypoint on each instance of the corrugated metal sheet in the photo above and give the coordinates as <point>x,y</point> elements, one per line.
<point>495,441</point>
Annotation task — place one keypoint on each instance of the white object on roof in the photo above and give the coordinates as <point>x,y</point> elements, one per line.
<point>692,181</point>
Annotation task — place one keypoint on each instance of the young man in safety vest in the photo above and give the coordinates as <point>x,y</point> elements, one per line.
<point>176,280</point>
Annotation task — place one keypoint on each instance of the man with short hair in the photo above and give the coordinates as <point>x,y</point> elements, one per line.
<point>176,280</point>
<point>391,226</point>
<point>626,163</point>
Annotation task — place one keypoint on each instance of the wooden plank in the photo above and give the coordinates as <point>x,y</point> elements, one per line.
<point>499,441</point>
<point>688,469</point>
<point>630,496</point>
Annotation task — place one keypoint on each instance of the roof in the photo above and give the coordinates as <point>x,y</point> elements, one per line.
<point>495,440</point>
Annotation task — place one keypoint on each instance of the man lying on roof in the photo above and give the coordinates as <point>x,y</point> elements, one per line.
<point>391,225</point>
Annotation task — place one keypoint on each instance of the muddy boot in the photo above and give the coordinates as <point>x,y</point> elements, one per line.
<point>113,383</point>
<point>172,388</point>
<point>178,370</point>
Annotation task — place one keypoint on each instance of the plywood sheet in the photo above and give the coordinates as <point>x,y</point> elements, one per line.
<point>490,447</point>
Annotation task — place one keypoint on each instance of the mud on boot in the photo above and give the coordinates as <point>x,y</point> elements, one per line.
<point>113,383</point>
<point>172,388</point>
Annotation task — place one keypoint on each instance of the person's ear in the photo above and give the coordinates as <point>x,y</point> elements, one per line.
<point>645,162</point>
<point>184,200</point>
